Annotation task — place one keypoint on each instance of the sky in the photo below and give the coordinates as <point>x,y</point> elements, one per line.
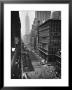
<point>22,14</point>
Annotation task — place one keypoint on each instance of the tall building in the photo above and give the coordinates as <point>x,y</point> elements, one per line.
<point>49,39</point>
<point>27,30</point>
<point>49,33</point>
<point>27,24</point>
<point>42,16</point>
<point>56,15</point>
<point>15,43</point>
<point>15,27</point>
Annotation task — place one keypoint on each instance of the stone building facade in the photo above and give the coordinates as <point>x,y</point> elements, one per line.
<point>47,33</point>
<point>49,38</point>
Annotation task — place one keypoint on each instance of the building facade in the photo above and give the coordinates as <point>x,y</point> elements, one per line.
<point>27,30</point>
<point>27,24</point>
<point>46,33</point>
<point>49,38</point>
<point>56,15</point>
<point>15,43</point>
<point>42,16</point>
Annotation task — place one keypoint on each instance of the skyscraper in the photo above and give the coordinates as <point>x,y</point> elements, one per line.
<point>27,29</point>
<point>27,24</point>
<point>42,16</point>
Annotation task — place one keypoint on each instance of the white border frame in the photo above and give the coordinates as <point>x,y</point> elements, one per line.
<point>64,8</point>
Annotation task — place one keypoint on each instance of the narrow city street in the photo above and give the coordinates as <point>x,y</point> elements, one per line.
<point>36,40</point>
<point>40,71</point>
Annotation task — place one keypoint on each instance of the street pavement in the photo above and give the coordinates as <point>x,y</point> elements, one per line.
<point>40,71</point>
<point>31,67</point>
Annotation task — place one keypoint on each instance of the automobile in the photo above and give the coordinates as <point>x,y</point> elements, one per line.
<point>42,62</point>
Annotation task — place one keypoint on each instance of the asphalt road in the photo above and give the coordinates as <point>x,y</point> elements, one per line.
<point>40,71</point>
<point>34,56</point>
<point>33,69</point>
